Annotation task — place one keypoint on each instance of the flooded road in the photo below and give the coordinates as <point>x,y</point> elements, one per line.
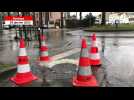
<point>116,48</point>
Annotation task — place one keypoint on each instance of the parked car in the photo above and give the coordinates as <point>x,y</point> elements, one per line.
<point>50,25</point>
<point>6,26</point>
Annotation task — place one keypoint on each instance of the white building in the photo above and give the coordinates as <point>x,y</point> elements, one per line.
<point>122,17</point>
<point>131,17</point>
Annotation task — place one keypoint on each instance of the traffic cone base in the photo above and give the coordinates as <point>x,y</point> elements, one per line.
<point>91,83</point>
<point>23,78</point>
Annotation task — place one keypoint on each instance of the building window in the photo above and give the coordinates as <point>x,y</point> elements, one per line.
<point>131,19</point>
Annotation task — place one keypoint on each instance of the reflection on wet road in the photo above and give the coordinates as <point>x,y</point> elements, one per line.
<point>118,53</point>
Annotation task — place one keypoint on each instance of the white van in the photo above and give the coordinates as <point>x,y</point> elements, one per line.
<point>6,26</point>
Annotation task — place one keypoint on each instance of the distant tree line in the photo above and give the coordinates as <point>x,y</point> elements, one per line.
<point>88,21</point>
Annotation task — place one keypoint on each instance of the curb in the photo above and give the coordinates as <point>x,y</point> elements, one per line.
<point>107,30</point>
<point>86,35</point>
<point>5,70</point>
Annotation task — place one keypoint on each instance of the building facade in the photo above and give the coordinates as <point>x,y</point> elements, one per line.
<point>122,17</point>
<point>48,18</point>
<point>40,18</point>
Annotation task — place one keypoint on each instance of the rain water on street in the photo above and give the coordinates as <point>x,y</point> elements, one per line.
<point>116,50</point>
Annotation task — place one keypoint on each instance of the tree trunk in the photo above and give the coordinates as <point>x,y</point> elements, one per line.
<point>103,20</point>
<point>80,19</point>
<point>40,25</point>
<point>33,18</point>
<point>46,18</point>
<point>18,13</point>
<point>40,19</point>
<point>61,19</point>
<point>68,15</point>
<point>8,13</point>
<point>80,16</point>
<point>76,15</point>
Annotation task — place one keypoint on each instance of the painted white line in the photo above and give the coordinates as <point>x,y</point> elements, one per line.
<point>65,54</point>
<point>61,61</point>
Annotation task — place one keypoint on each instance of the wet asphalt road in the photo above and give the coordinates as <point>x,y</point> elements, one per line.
<point>117,69</point>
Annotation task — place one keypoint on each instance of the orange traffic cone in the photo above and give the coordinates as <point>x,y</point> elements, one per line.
<point>24,74</point>
<point>44,50</point>
<point>94,52</point>
<point>84,76</point>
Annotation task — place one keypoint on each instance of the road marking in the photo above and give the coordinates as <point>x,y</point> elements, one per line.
<point>63,61</point>
<point>56,59</point>
<point>65,54</point>
<point>60,61</point>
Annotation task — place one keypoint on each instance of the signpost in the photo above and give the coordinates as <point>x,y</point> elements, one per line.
<point>19,21</point>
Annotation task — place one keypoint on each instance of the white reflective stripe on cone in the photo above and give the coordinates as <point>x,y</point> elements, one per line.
<point>22,52</point>
<point>95,56</point>
<point>84,53</point>
<point>43,43</point>
<point>23,68</point>
<point>45,53</point>
<point>94,43</point>
<point>84,70</point>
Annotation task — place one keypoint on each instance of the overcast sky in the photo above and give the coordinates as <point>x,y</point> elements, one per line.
<point>85,13</point>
